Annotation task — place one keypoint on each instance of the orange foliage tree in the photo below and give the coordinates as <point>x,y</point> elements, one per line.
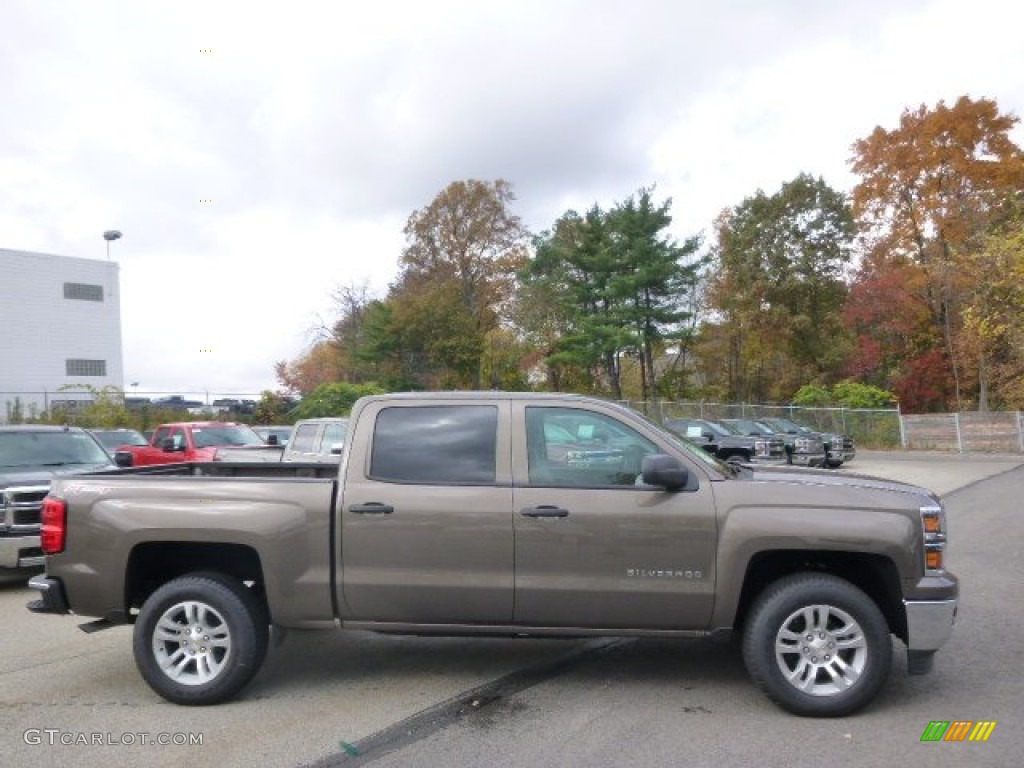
<point>930,191</point>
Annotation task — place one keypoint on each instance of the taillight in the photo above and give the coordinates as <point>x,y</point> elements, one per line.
<point>933,523</point>
<point>54,519</point>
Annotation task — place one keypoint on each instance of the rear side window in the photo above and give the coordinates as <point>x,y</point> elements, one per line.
<point>449,444</point>
<point>303,439</point>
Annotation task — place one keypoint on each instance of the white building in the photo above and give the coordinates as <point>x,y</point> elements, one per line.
<point>60,326</point>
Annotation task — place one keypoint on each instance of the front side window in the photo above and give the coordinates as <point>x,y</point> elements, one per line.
<point>334,434</point>
<point>576,448</point>
<point>445,444</point>
<point>161,434</point>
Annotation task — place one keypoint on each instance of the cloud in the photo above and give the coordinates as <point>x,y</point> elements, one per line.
<point>316,128</point>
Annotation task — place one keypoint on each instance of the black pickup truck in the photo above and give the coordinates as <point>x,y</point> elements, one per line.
<point>838,448</point>
<point>728,444</point>
<point>803,450</point>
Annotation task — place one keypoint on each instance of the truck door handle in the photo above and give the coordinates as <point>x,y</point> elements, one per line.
<point>372,508</point>
<point>545,510</point>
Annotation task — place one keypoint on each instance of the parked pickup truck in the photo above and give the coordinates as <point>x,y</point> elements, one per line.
<point>838,448</point>
<point>462,513</point>
<point>186,441</point>
<point>729,444</point>
<point>31,454</point>
<point>311,440</point>
<point>806,450</point>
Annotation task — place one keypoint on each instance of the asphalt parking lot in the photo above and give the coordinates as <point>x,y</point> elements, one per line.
<point>358,698</point>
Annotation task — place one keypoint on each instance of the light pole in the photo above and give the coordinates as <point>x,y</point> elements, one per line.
<point>110,234</point>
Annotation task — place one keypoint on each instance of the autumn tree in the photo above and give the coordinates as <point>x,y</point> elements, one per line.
<point>777,290</point>
<point>320,364</point>
<point>993,315</point>
<point>458,272</point>
<point>930,192</point>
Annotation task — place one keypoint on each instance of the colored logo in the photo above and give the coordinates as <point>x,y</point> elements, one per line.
<point>958,730</point>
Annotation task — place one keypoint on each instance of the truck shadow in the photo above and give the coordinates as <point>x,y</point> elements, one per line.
<point>309,663</point>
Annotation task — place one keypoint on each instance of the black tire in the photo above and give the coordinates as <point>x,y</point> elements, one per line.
<point>208,631</point>
<point>737,458</point>
<point>798,668</point>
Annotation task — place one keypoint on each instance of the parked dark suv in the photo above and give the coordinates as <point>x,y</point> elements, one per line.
<point>727,444</point>
<point>838,448</point>
<point>802,450</point>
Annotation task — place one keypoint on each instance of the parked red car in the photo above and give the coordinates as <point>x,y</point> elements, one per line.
<point>186,441</point>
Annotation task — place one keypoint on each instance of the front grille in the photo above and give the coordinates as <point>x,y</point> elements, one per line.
<point>22,507</point>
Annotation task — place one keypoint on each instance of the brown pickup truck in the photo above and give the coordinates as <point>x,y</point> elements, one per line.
<point>506,514</point>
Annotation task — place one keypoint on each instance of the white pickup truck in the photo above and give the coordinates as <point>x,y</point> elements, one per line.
<point>312,440</point>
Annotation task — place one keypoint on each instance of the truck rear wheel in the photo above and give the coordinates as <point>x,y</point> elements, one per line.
<point>817,645</point>
<point>200,638</point>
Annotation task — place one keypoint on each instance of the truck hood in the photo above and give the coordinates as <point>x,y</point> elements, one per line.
<point>42,475</point>
<point>826,477</point>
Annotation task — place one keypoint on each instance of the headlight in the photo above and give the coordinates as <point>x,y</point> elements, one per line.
<point>933,524</point>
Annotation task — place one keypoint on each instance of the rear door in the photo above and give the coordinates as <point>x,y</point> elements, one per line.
<point>594,548</point>
<point>426,514</point>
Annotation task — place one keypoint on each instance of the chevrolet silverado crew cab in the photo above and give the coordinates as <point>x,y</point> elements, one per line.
<point>30,455</point>
<point>506,514</point>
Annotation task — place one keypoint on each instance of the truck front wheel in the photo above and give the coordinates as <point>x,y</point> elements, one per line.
<point>817,645</point>
<point>200,638</point>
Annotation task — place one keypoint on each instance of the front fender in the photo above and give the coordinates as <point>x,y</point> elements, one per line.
<point>749,531</point>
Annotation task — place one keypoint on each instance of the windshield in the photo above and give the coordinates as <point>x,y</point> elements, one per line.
<point>114,438</point>
<point>791,426</point>
<point>724,428</point>
<point>49,449</point>
<point>749,427</point>
<point>237,434</point>
<point>283,434</point>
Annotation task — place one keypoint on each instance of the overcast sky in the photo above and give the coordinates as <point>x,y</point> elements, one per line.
<point>316,128</point>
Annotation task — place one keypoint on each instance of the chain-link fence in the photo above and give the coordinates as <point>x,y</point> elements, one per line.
<point>967,432</point>
<point>869,427</point>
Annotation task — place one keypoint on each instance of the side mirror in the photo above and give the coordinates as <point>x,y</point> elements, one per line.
<point>272,439</point>
<point>123,459</point>
<point>168,445</point>
<point>336,448</point>
<point>665,471</point>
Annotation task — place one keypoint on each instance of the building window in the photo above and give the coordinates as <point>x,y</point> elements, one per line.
<point>83,291</point>
<point>86,367</point>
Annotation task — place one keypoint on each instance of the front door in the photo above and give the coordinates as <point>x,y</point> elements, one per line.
<point>594,547</point>
<point>427,515</point>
